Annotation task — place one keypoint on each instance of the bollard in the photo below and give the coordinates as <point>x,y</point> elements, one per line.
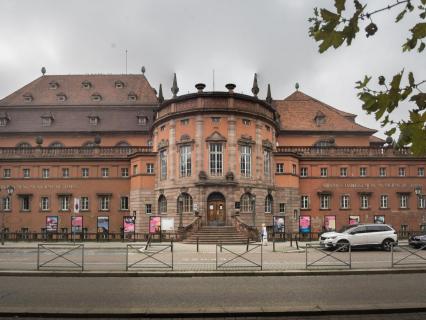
<point>198,239</point>
<point>291,240</point>
<point>273,244</point>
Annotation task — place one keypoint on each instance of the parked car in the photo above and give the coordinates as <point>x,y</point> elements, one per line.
<point>418,241</point>
<point>361,235</point>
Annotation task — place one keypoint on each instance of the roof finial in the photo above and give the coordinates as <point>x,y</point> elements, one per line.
<point>268,95</point>
<point>175,88</point>
<point>160,94</point>
<point>43,70</point>
<point>297,86</point>
<point>143,70</point>
<point>255,88</point>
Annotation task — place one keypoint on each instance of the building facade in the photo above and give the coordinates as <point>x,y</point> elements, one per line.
<point>96,153</point>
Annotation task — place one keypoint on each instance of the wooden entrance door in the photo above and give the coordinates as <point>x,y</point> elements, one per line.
<point>216,213</point>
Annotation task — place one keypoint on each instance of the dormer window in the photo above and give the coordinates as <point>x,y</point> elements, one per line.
<point>28,97</point>
<point>142,120</point>
<point>47,119</point>
<point>61,97</point>
<point>93,120</point>
<point>53,85</point>
<point>96,97</point>
<point>119,84</point>
<point>4,119</point>
<point>86,84</point>
<point>132,96</point>
<point>319,118</point>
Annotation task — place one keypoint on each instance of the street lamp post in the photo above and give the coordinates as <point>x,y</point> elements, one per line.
<point>10,190</point>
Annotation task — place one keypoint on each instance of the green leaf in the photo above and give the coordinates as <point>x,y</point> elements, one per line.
<point>390,132</point>
<point>382,80</point>
<point>329,16</point>
<point>396,81</point>
<point>411,79</point>
<point>363,84</point>
<point>340,5</point>
<point>419,30</point>
<point>400,15</point>
<point>423,2</point>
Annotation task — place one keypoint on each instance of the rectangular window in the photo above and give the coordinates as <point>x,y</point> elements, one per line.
<point>282,207</point>
<point>124,172</point>
<point>85,172</point>
<point>148,208</point>
<point>384,201</point>
<point>421,172</point>
<point>135,169</point>
<point>44,203</point>
<point>280,167</point>
<point>364,201</point>
<point>7,206</point>
<point>303,172</point>
<point>84,203</point>
<point>246,122</point>
<point>64,203</point>
<point>105,172</point>
<point>401,172</point>
<point>293,169</point>
<point>124,203</point>
<point>104,203</point>
<point>184,122</point>
<point>45,173</point>
<point>65,172</point>
<point>323,172</point>
<point>403,201</point>
<point>6,173</point>
<point>267,163</point>
<point>216,159</point>
<point>343,172</point>
<point>344,202</point>
<point>304,202</point>
<point>149,168</point>
<point>421,202</point>
<point>363,172</point>
<point>325,201</point>
<point>185,161</point>
<point>26,172</point>
<point>382,172</point>
<point>163,164</point>
<point>25,202</point>
<point>245,161</point>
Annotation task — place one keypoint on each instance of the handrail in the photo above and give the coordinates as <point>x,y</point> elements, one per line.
<point>251,231</point>
<point>191,228</point>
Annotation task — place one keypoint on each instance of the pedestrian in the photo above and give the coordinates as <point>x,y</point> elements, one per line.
<point>264,235</point>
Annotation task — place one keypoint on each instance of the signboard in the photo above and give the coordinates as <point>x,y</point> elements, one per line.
<point>330,223</point>
<point>154,225</point>
<point>52,223</point>
<point>76,224</point>
<point>279,226</point>
<point>354,220</point>
<point>103,225</point>
<point>305,224</point>
<point>379,219</point>
<point>129,224</point>
<point>167,224</point>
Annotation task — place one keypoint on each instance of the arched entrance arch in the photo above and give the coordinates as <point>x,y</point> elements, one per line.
<point>216,209</point>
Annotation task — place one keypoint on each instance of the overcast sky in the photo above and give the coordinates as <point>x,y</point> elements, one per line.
<point>236,38</point>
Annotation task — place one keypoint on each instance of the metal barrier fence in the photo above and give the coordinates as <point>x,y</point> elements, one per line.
<point>240,259</point>
<point>408,256</point>
<point>62,252</point>
<point>334,254</point>
<point>154,256</point>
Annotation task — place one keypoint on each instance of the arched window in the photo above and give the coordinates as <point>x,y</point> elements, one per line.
<point>56,144</point>
<point>246,204</point>
<point>268,204</point>
<point>122,144</point>
<point>162,204</point>
<point>23,145</point>
<point>185,203</point>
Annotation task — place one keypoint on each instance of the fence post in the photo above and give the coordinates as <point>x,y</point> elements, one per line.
<point>261,257</point>
<point>38,258</point>
<point>171,244</point>
<point>216,256</point>
<point>291,240</point>
<point>391,256</point>
<point>306,255</point>
<point>248,244</point>
<point>273,244</point>
<point>127,257</point>
<point>350,256</point>
<point>82,257</point>
<point>198,239</point>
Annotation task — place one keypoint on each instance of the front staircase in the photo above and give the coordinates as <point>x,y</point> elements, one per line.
<point>217,234</point>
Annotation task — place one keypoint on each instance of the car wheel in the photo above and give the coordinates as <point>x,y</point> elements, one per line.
<point>343,245</point>
<point>387,244</point>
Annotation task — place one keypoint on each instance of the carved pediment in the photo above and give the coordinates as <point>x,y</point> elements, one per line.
<point>216,137</point>
<point>267,144</point>
<point>245,140</point>
<point>163,144</point>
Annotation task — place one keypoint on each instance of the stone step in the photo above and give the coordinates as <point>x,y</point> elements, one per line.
<point>217,234</point>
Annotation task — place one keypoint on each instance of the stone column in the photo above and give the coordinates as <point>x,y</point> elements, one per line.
<point>199,145</point>
<point>173,154</point>
<point>258,153</point>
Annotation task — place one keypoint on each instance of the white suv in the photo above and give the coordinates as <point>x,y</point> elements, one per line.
<point>361,235</point>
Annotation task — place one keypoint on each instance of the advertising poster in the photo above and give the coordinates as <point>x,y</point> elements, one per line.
<point>279,226</point>
<point>154,225</point>
<point>354,220</point>
<point>167,224</point>
<point>379,219</point>
<point>76,224</point>
<point>129,224</point>
<point>103,225</point>
<point>330,223</point>
<point>52,224</point>
<point>305,224</point>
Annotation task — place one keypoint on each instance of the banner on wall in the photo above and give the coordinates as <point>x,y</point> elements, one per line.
<point>154,225</point>
<point>305,224</point>
<point>167,224</point>
<point>354,220</point>
<point>379,219</point>
<point>52,224</point>
<point>279,225</point>
<point>330,223</point>
<point>103,225</point>
<point>129,224</point>
<point>76,224</point>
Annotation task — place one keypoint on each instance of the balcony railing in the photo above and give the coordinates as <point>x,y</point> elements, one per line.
<point>70,152</point>
<point>349,152</point>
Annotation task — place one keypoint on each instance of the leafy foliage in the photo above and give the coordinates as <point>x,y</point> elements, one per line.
<point>332,29</point>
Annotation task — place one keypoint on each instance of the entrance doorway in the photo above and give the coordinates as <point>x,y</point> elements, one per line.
<point>216,212</point>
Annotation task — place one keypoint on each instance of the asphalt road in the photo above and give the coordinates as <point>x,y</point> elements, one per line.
<point>204,295</point>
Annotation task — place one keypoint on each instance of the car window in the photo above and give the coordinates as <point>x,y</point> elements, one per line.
<point>358,230</point>
<point>374,229</point>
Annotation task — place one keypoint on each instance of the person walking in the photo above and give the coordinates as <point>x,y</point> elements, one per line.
<point>264,235</point>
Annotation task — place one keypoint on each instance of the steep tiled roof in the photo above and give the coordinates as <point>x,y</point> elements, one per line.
<point>298,112</point>
<point>58,90</point>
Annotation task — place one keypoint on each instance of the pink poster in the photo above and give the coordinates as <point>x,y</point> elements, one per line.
<point>129,224</point>
<point>354,220</point>
<point>305,224</point>
<point>330,223</point>
<point>154,225</point>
